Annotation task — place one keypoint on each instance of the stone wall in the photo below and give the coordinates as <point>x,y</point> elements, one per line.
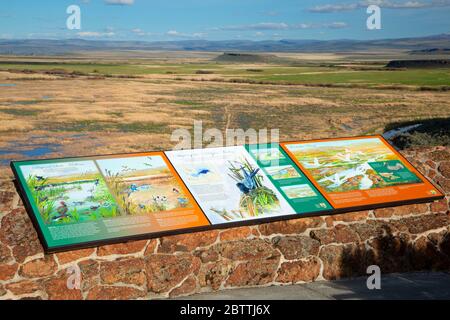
<point>406,238</point>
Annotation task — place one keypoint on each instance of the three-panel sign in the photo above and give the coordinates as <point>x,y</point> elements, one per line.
<point>86,201</point>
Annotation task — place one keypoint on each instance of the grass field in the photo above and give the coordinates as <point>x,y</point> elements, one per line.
<point>318,74</point>
<point>56,106</point>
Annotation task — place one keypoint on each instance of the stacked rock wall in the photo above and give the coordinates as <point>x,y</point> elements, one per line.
<point>398,239</point>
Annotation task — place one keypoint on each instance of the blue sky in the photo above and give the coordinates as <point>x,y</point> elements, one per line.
<point>155,20</point>
<point>117,165</point>
<point>322,144</point>
<point>66,168</point>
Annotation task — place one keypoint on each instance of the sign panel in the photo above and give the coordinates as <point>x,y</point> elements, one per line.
<point>287,177</point>
<point>235,184</point>
<point>87,200</point>
<point>360,172</point>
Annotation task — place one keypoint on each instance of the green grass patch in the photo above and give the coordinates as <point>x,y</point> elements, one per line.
<point>97,126</point>
<point>108,69</point>
<point>424,77</point>
<point>187,102</point>
<point>20,112</point>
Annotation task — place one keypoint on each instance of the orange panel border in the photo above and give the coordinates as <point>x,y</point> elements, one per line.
<point>403,194</point>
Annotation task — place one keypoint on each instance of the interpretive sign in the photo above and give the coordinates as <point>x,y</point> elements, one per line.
<point>87,201</point>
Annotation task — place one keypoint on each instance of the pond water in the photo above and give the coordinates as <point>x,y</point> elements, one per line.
<point>341,177</point>
<point>79,196</point>
<point>394,132</point>
<point>27,151</point>
<point>7,84</point>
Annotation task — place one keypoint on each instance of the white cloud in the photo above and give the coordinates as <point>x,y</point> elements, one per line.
<point>281,26</point>
<point>173,33</point>
<point>139,32</point>
<point>334,7</point>
<point>95,34</point>
<point>410,4</point>
<point>176,34</point>
<point>120,2</point>
<point>337,25</point>
<point>257,26</point>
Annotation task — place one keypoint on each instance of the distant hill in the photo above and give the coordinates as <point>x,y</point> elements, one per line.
<point>240,57</point>
<point>69,46</point>
<point>433,51</point>
<point>431,63</point>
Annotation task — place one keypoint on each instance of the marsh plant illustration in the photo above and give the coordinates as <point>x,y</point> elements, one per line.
<point>70,192</point>
<point>255,198</point>
<point>143,184</point>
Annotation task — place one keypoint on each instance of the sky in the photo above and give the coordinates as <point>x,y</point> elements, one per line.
<point>166,20</point>
<point>59,169</point>
<point>343,143</point>
<point>117,165</point>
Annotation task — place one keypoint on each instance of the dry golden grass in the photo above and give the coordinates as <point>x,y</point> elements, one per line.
<point>84,116</point>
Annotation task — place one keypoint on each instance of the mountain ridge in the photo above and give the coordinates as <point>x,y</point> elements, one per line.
<point>67,46</point>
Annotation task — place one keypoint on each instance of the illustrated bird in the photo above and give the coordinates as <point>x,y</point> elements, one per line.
<point>201,172</point>
<point>182,201</point>
<point>149,164</point>
<point>40,178</point>
<point>344,157</point>
<point>93,208</point>
<point>144,187</point>
<point>315,163</point>
<point>62,212</point>
<point>337,179</point>
<point>248,183</point>
<point>395,167</point>
<point>176,190</point>
<point>141,206</point>
<point>159,199</point>
<point>43,199</point>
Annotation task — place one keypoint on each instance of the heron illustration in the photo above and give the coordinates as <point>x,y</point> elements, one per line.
<point>248,183</point>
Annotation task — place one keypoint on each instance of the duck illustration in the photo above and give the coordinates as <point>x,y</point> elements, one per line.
<point>93,208</point>
<point>159,199</point>
<point>40,178</point>
<point>182,201</point>
<point>62,212</point>
<point>175,190</point>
